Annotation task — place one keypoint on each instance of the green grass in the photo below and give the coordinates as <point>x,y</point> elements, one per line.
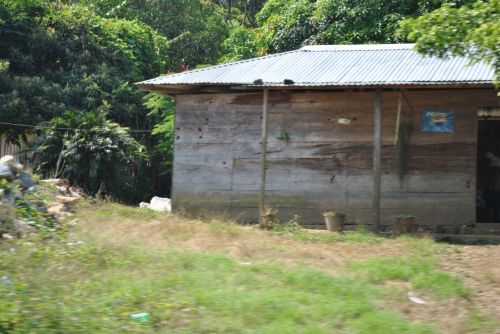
<point>98,210</point>
<point>95,287</point>
<point>420,271</point>
<point>360,235</point>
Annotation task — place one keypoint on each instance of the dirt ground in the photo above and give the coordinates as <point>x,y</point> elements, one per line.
<point>479,267</point>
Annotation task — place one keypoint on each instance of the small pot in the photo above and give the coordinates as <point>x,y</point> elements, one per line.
<point>333,222</point>
<point>404,225</point>
<point>267,218</point>
<point>265,222</point>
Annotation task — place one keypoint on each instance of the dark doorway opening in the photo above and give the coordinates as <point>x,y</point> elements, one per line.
<point>488,167</point>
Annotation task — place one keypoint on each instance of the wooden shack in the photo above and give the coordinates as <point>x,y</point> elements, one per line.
<point>370,131</point>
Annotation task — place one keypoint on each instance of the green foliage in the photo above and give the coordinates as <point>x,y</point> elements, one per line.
<point>103,211</point>
<point>365,21</point>
<point>162,109</point>
<point>42,221</point>
<point>70,58</point>
<point>85,55</point>
<point>242,11</point>
<point>472,31</point>
<point>285,25</point>
<point>239,45</point>
<point>58,57</point>
<point>7,187</point>
<point>195,28</point>
<point>92,152</point>
<point>34,215</point>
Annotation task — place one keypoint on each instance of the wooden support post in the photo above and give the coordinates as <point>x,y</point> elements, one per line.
<point>263,153</point>
<point>377,153</point>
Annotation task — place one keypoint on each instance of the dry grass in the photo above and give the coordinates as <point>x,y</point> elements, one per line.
<point>243,242</point>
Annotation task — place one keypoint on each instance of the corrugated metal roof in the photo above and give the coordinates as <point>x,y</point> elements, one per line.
<point>337,65</point>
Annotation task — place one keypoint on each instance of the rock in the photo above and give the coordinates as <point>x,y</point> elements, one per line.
<point>14,166</point>
<point>22,227</point>
<point>38,202</point>
<point>7,211</point>
<point>63,215</point>
<point>160,204</point>
<point>63,190</point>
<point>54,182</point>
<point>18,194</point>
<point>26,180</point>
<point>56,208</point>
<point>70,208</point>
<point>67,200</point>
<point>9,197</point>
<point>5,172</point>
<point>7,236</point>
<point>466,229</point>
<point>74,193</point>
<point>6,158</point>
<point>144,205</point>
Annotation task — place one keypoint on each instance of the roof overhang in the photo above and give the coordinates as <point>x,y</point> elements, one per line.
<point>331,67</point>
<point>172,90</point>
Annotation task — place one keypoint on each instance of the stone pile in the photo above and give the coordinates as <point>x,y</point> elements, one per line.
<point>51,199</point>
<point>63,205</point>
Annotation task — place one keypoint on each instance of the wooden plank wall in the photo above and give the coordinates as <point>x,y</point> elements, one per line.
<point>325,165</point>
<point>7,148</point>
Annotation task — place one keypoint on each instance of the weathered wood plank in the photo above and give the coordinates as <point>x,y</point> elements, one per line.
<point>329,176</point>
<point>326,165</point>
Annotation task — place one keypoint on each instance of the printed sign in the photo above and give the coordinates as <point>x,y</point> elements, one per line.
<point>438,121</point>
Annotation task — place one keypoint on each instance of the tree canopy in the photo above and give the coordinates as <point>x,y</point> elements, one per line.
<point>471,31</point>
<point>285,25</point>
<point>61,57</point>
<point>72,64</point>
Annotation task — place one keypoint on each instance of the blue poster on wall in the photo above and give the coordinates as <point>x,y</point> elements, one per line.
<point>438,121</point>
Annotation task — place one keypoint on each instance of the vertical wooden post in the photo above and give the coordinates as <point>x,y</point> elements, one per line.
<point>263,153</point>
<point>377,153</point>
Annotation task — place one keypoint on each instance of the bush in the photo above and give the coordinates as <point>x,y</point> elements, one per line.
<point>94,153</point>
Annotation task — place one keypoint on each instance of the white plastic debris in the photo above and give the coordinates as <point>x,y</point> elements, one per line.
<point>74,244</point>
<point>144,205</point>
<point>160,204</point>
<point>415,299</point>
